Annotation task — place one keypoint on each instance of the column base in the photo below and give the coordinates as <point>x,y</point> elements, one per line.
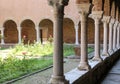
<point>84,66</point>
<point>58,80</point>
<point>97,59</point>
<point>111,51</point>
<point>76,43</point>
<point>115,49</point>
<point>118,47</point>
<point>2,43</point>
<point>105,54</point>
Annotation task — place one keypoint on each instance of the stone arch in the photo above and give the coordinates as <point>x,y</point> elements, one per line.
<point>46,30</point>
<point>107,8</point>
<point>82,1</point>
<point>28,31</point>
<point>117,13</point>
<point>112,11</point>
<point>68,31</point>
<point>97,5</point>
<point>10,32</point>
<point>91,31</point>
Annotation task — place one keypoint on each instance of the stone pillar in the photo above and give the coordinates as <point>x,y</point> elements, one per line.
<point>97,15</point>
<point>118,36</point>
<point>37,33</point>
<point>115,36</point>
<point>2,34</point>
<point>83,10</point>
<point>105,20</point>
<point>58,71</point>
<point>111,36</point>
<point>19,34</point>
<point>76,34</point>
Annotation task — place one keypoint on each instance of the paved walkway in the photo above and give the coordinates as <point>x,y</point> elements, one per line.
<point>44,76</point>
<point>113,77</point>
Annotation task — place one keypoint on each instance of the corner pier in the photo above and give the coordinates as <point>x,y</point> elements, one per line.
<point>97,72</point>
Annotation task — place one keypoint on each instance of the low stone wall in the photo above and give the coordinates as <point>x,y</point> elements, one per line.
<point>98,72</point>
<point>7,45</point>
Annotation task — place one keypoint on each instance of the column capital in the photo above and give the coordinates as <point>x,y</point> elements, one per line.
<point>76,27</point>
<point>2,28</point>
<point>106,19</point>
<point>116,23</point>
<point>58,2</point>
<point>96,14</point>
<point>37,27</point>
<point>58,7</point>
<point>84,8</point>
<point>112,21</point>
<point>19,27</point>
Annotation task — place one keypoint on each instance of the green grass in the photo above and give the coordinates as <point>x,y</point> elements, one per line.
<point>13,67</point>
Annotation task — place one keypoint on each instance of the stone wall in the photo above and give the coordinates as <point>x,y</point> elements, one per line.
<point>96,74</point>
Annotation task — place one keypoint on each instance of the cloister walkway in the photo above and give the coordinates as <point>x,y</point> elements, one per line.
<point>113,77</point>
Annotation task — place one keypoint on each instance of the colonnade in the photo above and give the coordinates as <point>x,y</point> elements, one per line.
<point>83,9</point>
<point>19,28</point>
<point>38,37</point>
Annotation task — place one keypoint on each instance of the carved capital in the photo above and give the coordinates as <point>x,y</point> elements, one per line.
<point>112,21</point>
<point>97,15</point>
<point>106,19</point>
<point>2,28</point>
<point>58,2</point>
<point>116,22</point>
<point>84,8</point>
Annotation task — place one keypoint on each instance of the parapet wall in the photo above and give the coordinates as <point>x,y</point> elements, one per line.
<point>98,72</point>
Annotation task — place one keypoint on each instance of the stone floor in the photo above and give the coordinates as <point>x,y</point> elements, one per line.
<point>113,77</point>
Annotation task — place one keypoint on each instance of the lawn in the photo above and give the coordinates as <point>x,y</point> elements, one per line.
<point>24,59</point>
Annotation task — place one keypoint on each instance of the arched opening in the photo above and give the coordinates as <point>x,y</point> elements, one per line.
<point>46,30</point>
<point>101,32</point>
<point>10,32</point>
<point>68,31</point>
<point>91,31</point>
<point>28,31</point>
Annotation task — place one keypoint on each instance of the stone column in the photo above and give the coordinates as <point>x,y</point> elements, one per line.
<point>118,36</point>
<point>37,33</point>
<point>115,36</point>
<point>58,71</point>
<point>83,10</point>
<point>2,34</point>
<point>105,20</point>
<point>111,36</point>
<point>19,34</point>
<point>76,34</point>
<point>97,15</point>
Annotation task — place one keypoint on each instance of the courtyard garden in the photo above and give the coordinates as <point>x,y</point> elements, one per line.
<point>24,59</point>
